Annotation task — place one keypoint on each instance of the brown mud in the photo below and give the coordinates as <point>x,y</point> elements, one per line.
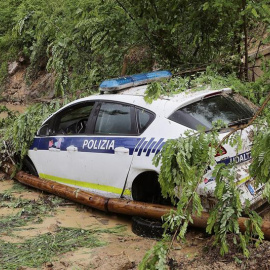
<point>123,250</point>
<point>20,108</point>
<point>19,89</point>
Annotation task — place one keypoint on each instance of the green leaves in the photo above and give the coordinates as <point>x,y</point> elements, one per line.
<point>106,36</point>
<point>204,80</point>
<point>259,168</point>
<point>17,133</point>
<point>155,258</point>
<point>184,162</point>
<point>228,208</point>
<point>153,92</point>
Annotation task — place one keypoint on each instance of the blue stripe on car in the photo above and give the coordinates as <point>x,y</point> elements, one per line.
<point>139,144</point>
<point>159,148</point>
<point>141,148</point>
<point>148,144</point>
<point>99,144</point>
<point>150,148</point>
<point>154,149</point>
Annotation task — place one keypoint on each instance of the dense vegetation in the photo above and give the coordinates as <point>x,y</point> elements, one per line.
<point>82,42</point>
<point>185,160</point>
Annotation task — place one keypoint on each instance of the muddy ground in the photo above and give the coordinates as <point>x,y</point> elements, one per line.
<point>42,231</point>
<point>29,217</point>
<point>121,249</point>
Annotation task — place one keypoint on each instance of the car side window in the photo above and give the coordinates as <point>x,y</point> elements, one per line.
<point>144,119</point>
<point>72,120</point>
<point>115,118</point>
<point>45,130</point>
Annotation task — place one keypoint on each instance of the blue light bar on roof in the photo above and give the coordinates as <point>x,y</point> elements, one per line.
<point>134,80</point>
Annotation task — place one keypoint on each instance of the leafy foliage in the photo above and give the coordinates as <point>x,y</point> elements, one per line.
<point>82,42</point>
<point>184,162</point>
<point>155,258</point>
<point>224,216</point>
<point>259,168</point>
<point>214,80</point>
<point>17,131</point>
<point>210,79</point>
<point>77,41</point>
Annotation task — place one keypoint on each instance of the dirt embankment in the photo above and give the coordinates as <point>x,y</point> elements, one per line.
<point>20,89</point>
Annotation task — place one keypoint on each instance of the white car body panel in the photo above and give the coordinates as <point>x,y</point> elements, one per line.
<point>108,164</point>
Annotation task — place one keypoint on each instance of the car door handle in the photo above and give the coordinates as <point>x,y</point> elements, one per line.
<point>123,150</point>
<point>52,149</point>
<point>72,148</point>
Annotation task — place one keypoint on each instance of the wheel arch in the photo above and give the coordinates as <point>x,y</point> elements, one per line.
<point>29,166</point>
<point>146,188</point>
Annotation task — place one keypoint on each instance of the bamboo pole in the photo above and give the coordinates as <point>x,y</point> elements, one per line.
<point>120,206</point>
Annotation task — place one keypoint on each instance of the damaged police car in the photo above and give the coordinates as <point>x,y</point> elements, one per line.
<point>105,143</point>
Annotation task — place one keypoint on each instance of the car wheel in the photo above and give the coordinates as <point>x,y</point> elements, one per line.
<point>29,167</point>
<point>146,227</point>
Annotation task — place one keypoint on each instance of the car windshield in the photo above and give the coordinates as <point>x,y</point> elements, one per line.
<point>229,108</point>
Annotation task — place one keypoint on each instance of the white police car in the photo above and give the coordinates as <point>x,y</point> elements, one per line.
<point>105,143</point>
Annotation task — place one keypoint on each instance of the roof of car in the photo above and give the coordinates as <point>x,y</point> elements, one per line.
<point>164,105</point>
<point>180,97</point>
<point>174,101</point>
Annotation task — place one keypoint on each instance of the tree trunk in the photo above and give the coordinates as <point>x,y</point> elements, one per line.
<point>245,40</point>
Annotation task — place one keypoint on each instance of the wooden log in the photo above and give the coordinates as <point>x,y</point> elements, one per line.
<point>74,194</point>
<point>120,206</point>
<point>135,208</point>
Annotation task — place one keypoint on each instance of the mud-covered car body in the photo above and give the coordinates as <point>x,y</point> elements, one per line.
<point>105,143</point>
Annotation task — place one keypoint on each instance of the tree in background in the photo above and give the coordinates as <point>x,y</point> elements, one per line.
<point>82,42</point>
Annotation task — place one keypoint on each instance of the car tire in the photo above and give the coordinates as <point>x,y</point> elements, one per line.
<point>29,167</point>
<point>146,227</point>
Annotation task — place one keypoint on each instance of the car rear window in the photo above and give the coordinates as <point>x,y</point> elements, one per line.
<point>228,108</point>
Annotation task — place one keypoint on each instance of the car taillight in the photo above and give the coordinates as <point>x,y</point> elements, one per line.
<point>221,151</point>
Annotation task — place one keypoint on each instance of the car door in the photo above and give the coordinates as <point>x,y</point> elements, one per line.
<point>56,142</point>
<point>97,159</point>
<point>103,156</point>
